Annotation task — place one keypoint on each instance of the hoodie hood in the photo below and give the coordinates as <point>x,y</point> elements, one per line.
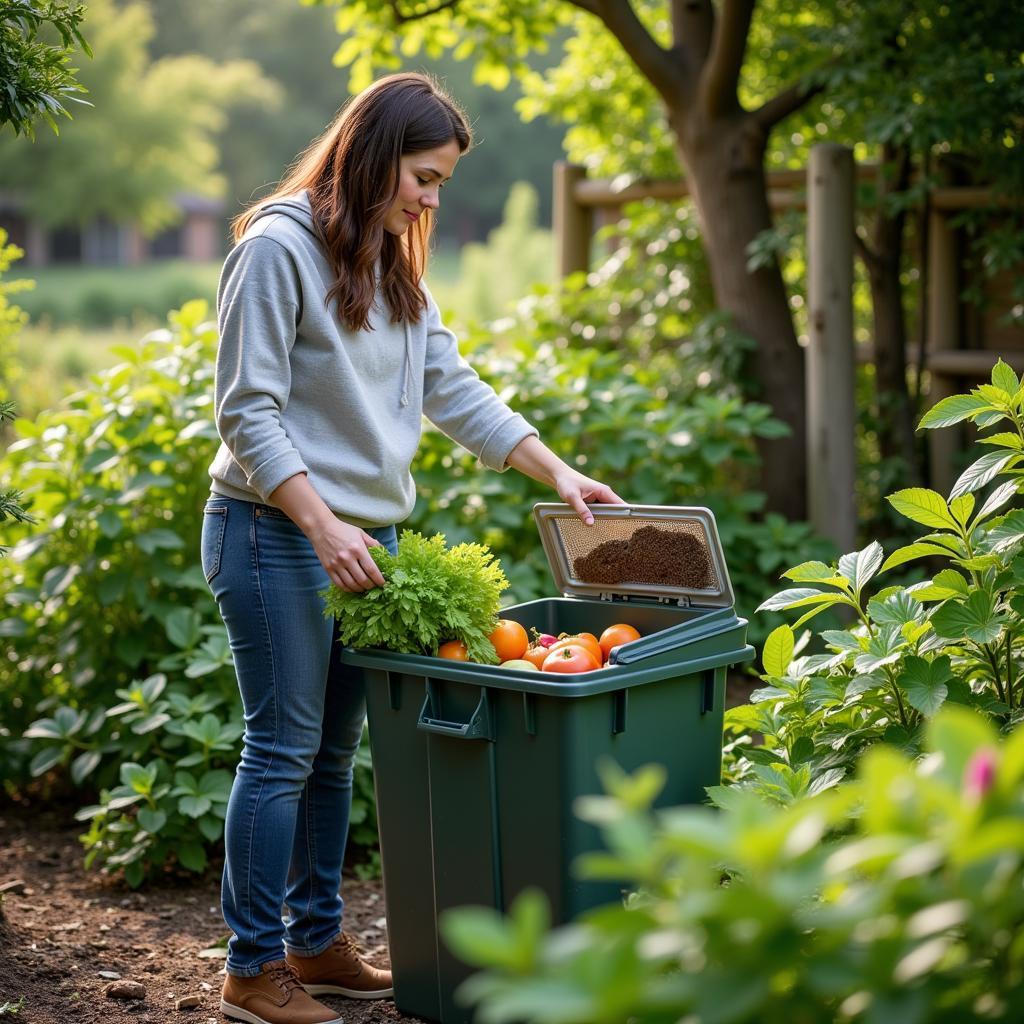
<point>297,208</point>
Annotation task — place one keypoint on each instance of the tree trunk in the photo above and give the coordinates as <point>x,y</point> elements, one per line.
<point>724,162</point>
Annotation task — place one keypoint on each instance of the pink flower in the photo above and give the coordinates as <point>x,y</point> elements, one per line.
<point>980,773</point>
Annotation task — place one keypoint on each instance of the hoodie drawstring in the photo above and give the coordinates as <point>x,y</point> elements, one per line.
<point>408,365</point>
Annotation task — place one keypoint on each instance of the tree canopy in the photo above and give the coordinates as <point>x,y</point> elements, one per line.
<point>36,77</point>
<point>150,133</point>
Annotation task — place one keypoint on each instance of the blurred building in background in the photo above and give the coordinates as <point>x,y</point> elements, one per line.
<point>199,236</point>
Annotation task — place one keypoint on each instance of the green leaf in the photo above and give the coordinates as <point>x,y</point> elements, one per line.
<point>995,396</point>
<point>841,639</point>
<point>973,618</point>
<point>1006,532</point>
<point>859,567</point>
<point>912,551</point>
<point>194,806</point>
<point>810,572</point>
<point>899,608</point>
<point>802,750</point>
<point>798,597</point>
<point>925,682</point>
<point>982,470</point>
<point>153,540</point>
<point>44,729</point>
<point>961,508</point>
<point>999,497</point>
<point>109,522</point>
<point>481,937</point>
<point>808,615</point>
<point>1004,440</point>
<point>884,648</point>
<point>211,827</point>
<point>778,651</point>
<point>1005,379</point>
<point>84,765</point>
<point>153,686</point>
<point>191,856</point>
<point>152,821</point>
<point>923,506</point>
<point>150,722</point>
<point>137,778</point>
<point>57,580</point>
<point>183,627</point>
<point>44,760</point>
<point>953,410</point>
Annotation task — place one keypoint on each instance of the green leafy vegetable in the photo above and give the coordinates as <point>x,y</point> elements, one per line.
<point>432,594</point>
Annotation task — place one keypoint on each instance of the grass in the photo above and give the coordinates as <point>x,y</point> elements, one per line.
<point>95,297</point>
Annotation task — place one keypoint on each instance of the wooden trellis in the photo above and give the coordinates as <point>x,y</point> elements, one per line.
<point>962,346</point>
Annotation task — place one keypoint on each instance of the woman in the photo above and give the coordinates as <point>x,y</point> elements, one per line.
<point>331,351</point>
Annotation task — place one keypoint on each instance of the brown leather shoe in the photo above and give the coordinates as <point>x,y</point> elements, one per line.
<point>341,971</point>
<point>274,996</point>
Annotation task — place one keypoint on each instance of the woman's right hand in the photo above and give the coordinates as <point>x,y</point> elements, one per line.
<point>343,551</point>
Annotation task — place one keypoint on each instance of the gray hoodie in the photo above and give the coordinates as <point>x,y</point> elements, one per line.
<point>297,392</point>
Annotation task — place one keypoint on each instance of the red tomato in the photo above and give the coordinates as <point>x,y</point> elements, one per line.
<point>453,649</point>
<point>509,640</point>
<point>613,636</point>
<point>570,658</point>
<point>586,640</point>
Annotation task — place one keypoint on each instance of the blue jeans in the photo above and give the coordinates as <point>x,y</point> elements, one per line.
<point>287,819</point>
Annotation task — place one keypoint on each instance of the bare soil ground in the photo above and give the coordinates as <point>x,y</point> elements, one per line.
<point>65,934</point>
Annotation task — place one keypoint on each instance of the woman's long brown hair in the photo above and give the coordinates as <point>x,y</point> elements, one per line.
<point>351,173</point>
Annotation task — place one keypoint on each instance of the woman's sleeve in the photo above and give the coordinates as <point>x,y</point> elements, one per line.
<point>258,308</point>
<point>461,405</point>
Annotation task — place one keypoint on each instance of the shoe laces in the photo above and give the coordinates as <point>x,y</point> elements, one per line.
<point>285,976</point>
<point>347,944</point>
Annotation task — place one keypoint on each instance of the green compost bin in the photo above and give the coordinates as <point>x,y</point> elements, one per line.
<point>477,767</point>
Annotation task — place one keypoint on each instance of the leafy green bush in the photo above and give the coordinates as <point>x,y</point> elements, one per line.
<point>895,897</point>
<point>957,637</point>
<point>117,670</point>
<point>10,497</point>
<point>116,655</point>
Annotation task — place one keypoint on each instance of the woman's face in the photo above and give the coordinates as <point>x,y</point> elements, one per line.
<point>421,177</point>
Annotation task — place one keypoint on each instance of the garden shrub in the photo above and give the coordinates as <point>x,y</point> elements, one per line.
<point>811,893</point>
<point>117,674</point>
<point>957,636</point>
<point>898,896</point>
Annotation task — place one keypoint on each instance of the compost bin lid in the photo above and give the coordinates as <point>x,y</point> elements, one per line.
<point>663,552</point>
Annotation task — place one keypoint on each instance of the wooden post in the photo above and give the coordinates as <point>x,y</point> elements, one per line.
<point>573,222</point>
<point>943,335</point>
<point>831,417</point>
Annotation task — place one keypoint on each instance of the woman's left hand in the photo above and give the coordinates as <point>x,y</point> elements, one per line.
<point>576,490</point>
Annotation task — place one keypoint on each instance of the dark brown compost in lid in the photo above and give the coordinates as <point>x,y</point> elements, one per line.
<point>665,552</point>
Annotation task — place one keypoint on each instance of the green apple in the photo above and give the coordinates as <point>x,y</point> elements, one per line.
<point>520,663</point>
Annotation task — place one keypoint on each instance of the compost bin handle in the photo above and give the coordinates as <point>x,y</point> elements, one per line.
<point>477,728</point>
